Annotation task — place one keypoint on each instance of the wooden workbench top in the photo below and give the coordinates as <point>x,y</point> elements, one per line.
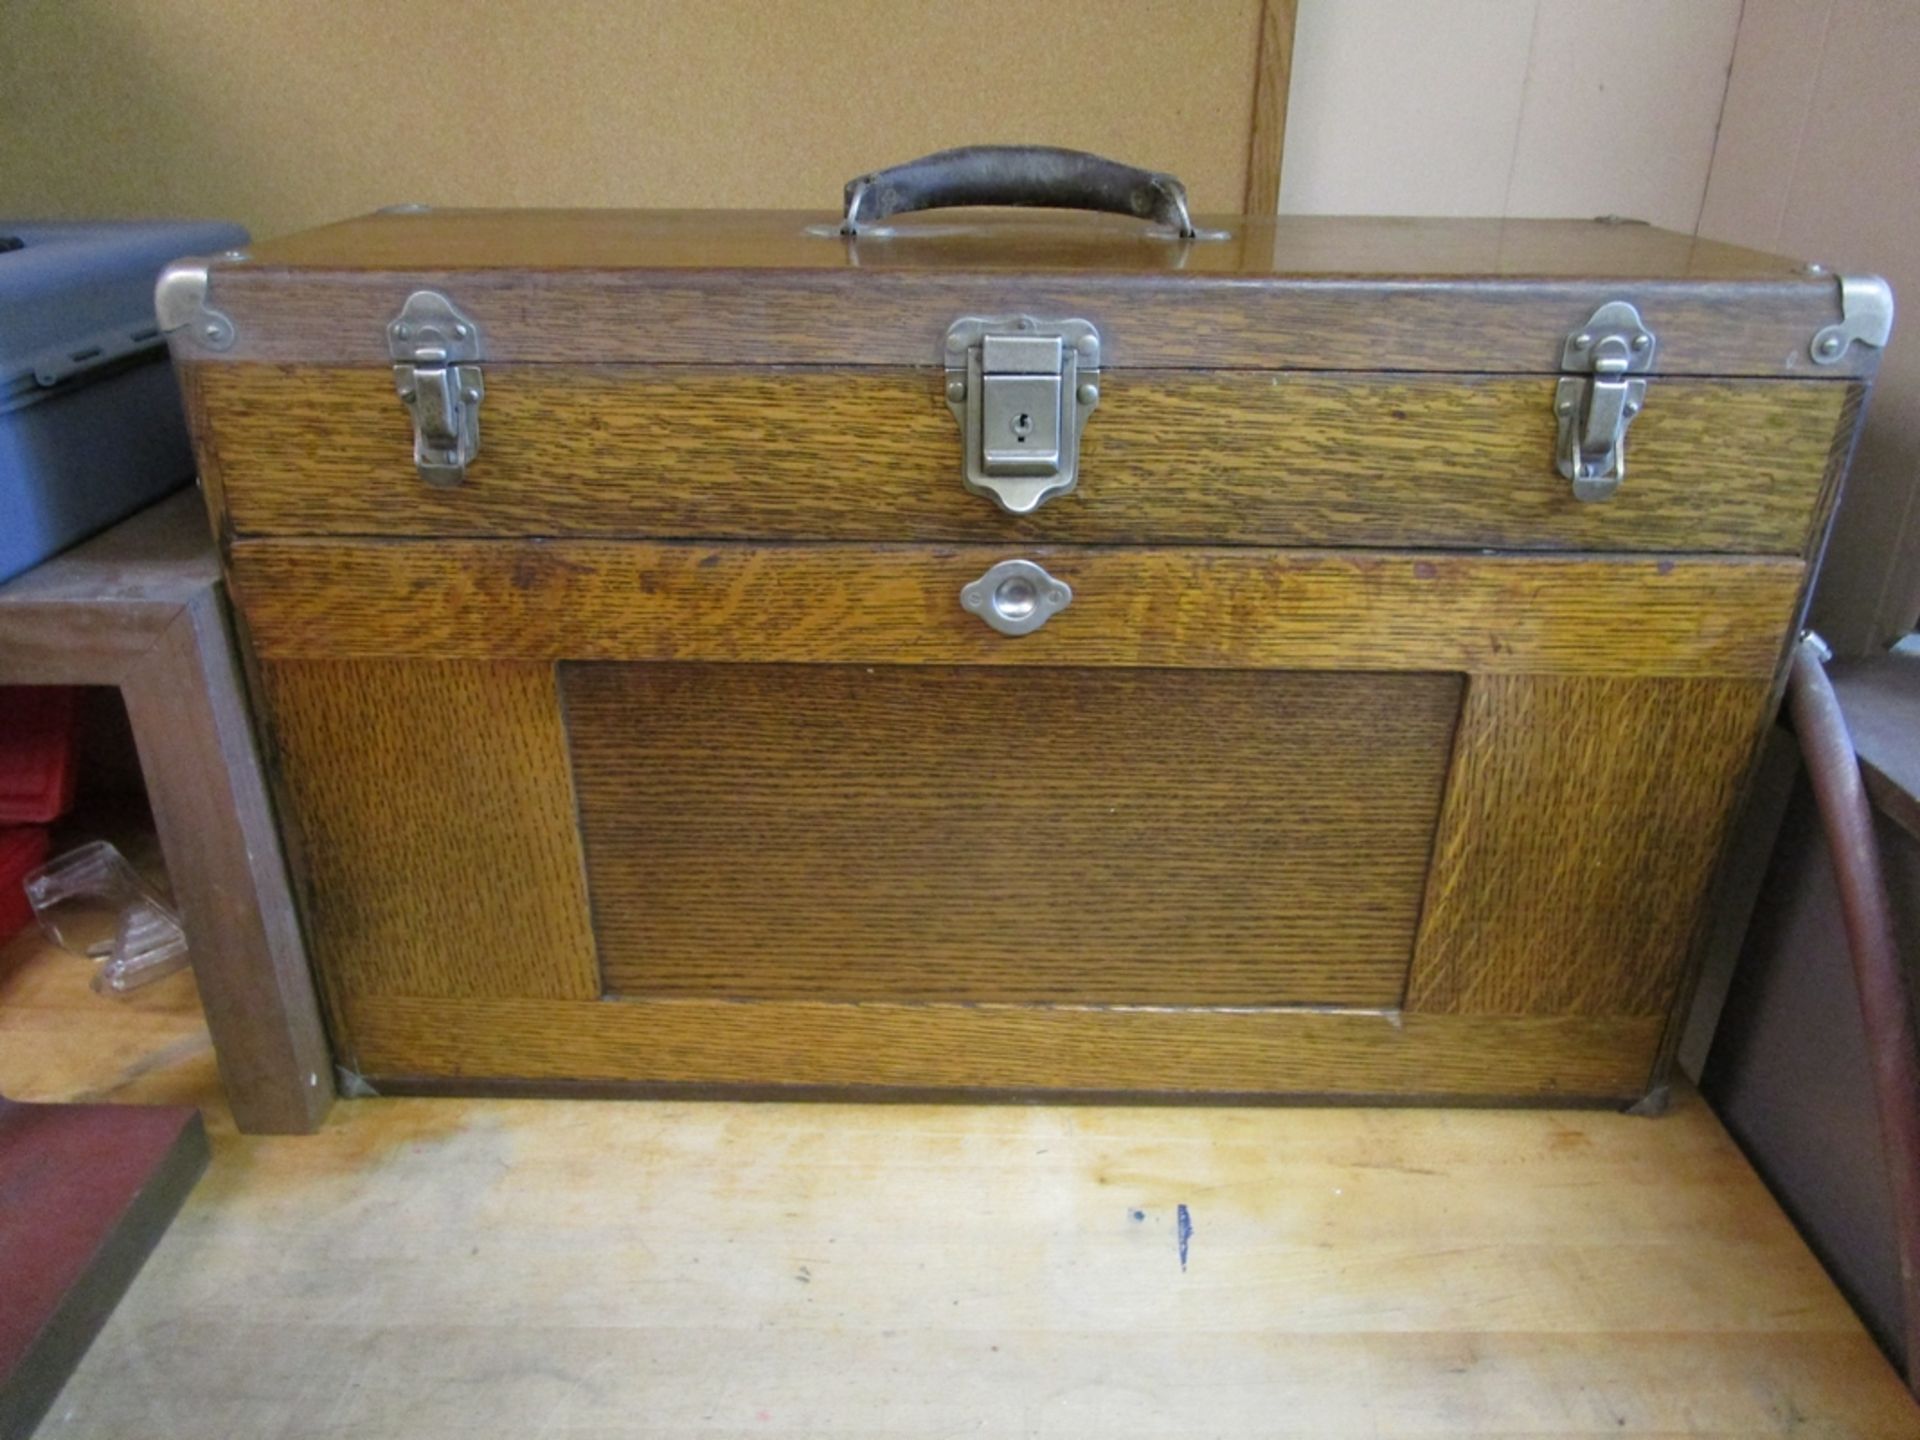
<point>478,1268</point>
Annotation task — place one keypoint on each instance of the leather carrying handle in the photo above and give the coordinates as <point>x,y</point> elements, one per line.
<point>1039,175</point>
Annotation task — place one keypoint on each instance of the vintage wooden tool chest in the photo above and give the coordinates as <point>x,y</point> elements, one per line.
<point>1015,651</point>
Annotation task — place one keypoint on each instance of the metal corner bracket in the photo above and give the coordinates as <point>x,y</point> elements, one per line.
<point>180,302</point>
<point>1866,316</point>
<point>435,349</point>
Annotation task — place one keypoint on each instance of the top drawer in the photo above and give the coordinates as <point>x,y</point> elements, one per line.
<point>1169,456</point>
<point>1288,383</point>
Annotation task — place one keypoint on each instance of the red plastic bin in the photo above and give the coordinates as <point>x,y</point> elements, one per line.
<point>20,851</point>
<point>37,769</point>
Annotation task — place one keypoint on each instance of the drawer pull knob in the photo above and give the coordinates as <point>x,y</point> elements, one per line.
<point>1016,597</point>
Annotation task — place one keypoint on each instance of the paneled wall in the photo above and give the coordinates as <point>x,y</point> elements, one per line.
<point>1817,157</point>
<point>1506,107</point>
<point>285,115</point>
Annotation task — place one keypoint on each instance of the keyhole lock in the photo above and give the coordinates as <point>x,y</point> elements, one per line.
<point>1021,389</point>
<point>1016,597</point>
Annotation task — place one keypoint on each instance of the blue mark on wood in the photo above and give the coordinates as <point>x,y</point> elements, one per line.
<point>1136,1216</point>
<point>1183,1227</point>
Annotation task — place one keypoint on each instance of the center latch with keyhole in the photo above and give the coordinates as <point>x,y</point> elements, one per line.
<point>1021,389</point>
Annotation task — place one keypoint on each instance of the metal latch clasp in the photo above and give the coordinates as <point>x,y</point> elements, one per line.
<point>436,350</point>
<point>1595,409</point>
<point>1021,389</point>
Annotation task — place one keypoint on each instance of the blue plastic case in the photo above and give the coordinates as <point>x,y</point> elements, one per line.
<point>90,422</point>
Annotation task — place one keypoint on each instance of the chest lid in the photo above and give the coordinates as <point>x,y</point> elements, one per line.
<point>882,283</point>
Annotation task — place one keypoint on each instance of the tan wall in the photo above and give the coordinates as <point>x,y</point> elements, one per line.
<point>284,113</point>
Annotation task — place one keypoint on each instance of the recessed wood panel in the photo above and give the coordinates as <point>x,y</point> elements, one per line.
<point>436,829</point>
<point>1082,836</point>
<point>1582,823</point>
<point>899,604</point>
<point>1188,456</point>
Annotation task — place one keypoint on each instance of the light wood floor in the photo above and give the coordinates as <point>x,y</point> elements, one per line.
<point>478,1269</point>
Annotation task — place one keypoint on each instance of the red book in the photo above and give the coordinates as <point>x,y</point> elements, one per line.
<point>37,728</point>
<point>20,850</point>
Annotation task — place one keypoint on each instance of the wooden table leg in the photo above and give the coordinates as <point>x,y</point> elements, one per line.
<point>210,806</point>
<point>85,1193</point>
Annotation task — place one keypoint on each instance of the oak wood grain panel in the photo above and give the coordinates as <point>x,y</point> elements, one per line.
<point>1582,822</point>
<point>436,826</point>
<point>1100,836</point>
<point>191,373</point>
<point>1240,1051</point>
<point>1718,904</point>
<point>1191,456</point>
<point>868,604</point>
<point>871,314</point>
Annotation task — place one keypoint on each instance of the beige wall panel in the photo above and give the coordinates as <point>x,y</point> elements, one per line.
<point>285,115</point>
<point>1506,107</point>
<point>1855,206</point>
<point>1622,100</point>
<point>1814,153</point>
<point>1775,67</point>
<point>1404,107</point>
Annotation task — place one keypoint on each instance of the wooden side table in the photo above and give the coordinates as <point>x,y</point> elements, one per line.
<point>141,607</point>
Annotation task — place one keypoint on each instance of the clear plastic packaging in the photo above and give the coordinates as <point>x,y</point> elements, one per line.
<point>91,903</point>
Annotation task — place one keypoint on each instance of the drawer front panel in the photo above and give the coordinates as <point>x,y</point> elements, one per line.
<point>878,605</point>
<point>1413,883</point>
<point>1176,456</point>
<point>982,834</point>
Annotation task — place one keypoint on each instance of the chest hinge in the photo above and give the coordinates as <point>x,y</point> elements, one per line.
<point>1595,405</point>
<point>1021,389</point>
<point>436,370</point>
